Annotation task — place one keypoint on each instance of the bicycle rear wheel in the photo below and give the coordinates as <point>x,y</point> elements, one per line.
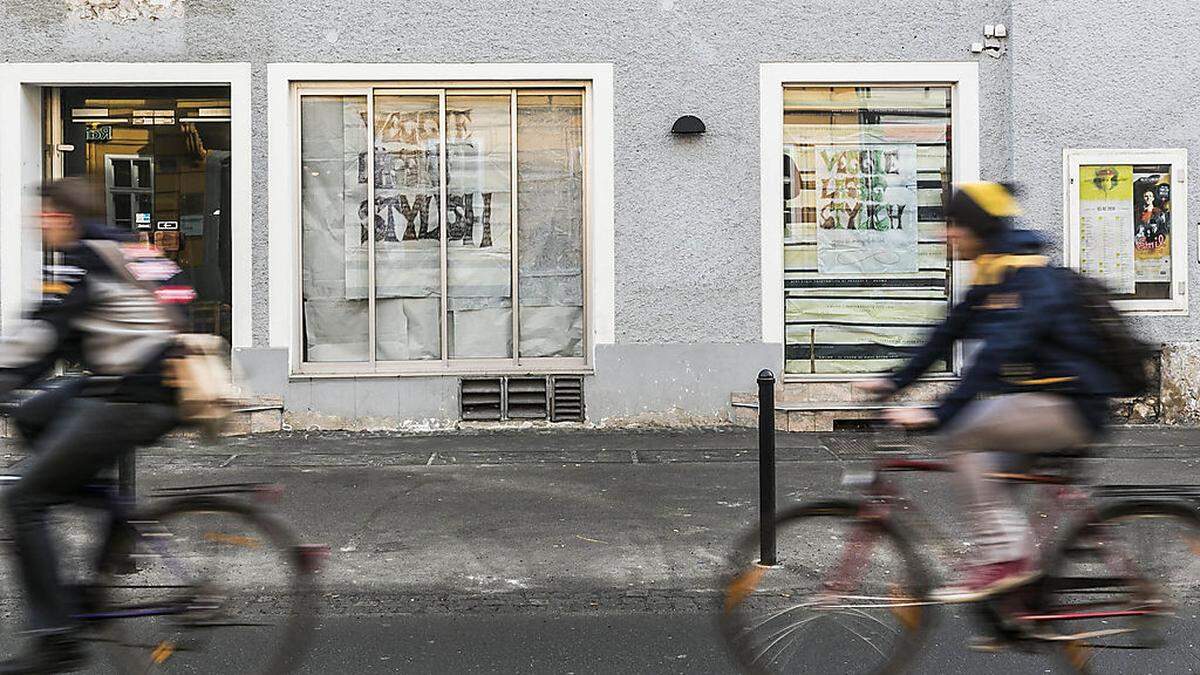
<point>219,585</point>
<point>1122,594</point>
<point>847,595</point>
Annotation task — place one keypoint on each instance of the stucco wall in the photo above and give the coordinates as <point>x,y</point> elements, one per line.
<point>687,209</point>
<point>1116,76</point>
<point>687,221</point>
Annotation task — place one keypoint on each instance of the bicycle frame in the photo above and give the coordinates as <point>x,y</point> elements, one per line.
<point>880,496</point>
<point>881,499</point>
<point>121,510</point>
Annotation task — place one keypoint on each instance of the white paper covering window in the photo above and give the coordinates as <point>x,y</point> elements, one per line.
<point>333,137</point>
<point>550,223</point>
<point>425,240</point>
<point>407,229</point>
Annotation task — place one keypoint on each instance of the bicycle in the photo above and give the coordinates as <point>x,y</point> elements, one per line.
<point>153,605</point>
<point>850,592</point>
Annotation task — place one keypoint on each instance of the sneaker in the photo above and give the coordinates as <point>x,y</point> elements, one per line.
<point>984,581</point>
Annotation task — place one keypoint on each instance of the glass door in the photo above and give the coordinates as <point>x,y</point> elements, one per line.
<point>162,157</point>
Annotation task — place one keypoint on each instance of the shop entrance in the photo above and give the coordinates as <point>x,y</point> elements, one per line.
<point>162,155</point>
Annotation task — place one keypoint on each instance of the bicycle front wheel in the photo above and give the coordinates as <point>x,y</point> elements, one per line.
<point>215,585</point>
<point>1122,594</point>
<point>847,595</point>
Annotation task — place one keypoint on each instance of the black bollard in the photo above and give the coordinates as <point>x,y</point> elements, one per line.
<point>766,467</point>
<point>127,476</point>
<point>127,491</point>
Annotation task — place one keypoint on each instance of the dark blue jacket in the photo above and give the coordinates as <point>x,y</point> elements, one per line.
<point>1034,335</point>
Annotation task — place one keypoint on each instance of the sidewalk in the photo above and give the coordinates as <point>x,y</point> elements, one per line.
<point>569,519</point>
<point>297,449</point>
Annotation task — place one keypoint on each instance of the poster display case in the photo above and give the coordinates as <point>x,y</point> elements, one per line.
<point>1126,224</point>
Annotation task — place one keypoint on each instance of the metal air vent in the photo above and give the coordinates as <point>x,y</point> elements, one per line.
<point>482,399</point>
<point>558,398</point>
<point>527,398</point>
<point>566,401</point>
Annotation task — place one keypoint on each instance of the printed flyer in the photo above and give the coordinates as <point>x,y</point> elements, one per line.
<point>1105,213</point>
<point>1152,223</point>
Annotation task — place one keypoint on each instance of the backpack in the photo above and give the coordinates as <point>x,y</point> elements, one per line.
<point>198,369</point>
<point>197,365</point>
<point>1125,356</point>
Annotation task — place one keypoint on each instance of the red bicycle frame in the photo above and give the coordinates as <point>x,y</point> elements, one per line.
<point>880,497</point>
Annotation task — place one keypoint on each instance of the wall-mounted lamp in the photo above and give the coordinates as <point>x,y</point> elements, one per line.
<point>688,124</point>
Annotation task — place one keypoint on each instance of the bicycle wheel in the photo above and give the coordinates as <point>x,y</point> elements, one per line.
<point>1122,594</point>
<point>847,595</point>
<point>218,586</point>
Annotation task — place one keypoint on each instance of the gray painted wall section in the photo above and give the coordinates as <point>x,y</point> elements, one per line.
<point>685,383</point>
<point>1114,76</point>
<point>687,209</point>
<point>687,221</point>
<point>362,402</point>
<point>673,383</point>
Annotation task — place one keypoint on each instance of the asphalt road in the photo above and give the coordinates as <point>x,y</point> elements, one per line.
<point>558,553</point>
<point>684,644</point>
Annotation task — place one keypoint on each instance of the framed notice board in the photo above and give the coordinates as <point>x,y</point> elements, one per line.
<point>1126,224</point>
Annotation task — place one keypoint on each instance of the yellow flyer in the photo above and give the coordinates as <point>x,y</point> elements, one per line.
<point>1106,230</point>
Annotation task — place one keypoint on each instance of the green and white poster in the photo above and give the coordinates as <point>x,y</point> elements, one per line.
<point>866,208</point>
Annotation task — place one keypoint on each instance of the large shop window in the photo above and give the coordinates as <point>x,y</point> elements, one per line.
<point>1127,224</point>
<point>442,226</point>
<point>866,266</point>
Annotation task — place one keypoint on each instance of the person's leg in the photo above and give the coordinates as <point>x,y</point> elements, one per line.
<point>1017,423</point>
<point>85,438</point>
<point>37,412</point>
<point>999,529</point>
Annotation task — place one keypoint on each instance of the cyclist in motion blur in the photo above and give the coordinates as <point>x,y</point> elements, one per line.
<point>1037,382</point>
<point>99,309</point>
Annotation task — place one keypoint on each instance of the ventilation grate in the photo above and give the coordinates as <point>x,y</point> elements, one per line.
<point>566,403</point>
<point>527,398</point>
<point>482,399</point>
<point>558,398</point>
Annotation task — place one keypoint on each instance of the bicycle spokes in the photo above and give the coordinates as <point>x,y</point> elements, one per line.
<point>843,589</point>
<point>1126,583</point>
<point>208,580</point>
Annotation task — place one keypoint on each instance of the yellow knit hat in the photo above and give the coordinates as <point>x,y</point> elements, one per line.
<point>995,199</point>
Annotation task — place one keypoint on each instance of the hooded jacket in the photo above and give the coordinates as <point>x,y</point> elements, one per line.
<point>98,307</point>
<point>1034,334</point>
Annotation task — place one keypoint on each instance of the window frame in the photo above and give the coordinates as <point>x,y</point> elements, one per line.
<point>1073,159</point>
<point>24,162</point>
<point>963,79</point>
<point>446,365</point>
<point>112,190</point>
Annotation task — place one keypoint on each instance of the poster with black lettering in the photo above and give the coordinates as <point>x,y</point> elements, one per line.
<point>866,208</point>
<point>1152,223</point>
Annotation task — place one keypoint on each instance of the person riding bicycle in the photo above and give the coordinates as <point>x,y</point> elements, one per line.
<point>1033,385</point>
<point>100,311</point>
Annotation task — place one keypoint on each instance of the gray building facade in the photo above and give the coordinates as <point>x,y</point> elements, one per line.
<point>690,262</point>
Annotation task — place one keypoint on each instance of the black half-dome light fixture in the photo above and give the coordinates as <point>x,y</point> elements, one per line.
<point>688,124</point>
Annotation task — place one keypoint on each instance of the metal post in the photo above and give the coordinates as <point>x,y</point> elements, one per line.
<point>127,475</point>
<point>127,491</point>
<point>766,467</point>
